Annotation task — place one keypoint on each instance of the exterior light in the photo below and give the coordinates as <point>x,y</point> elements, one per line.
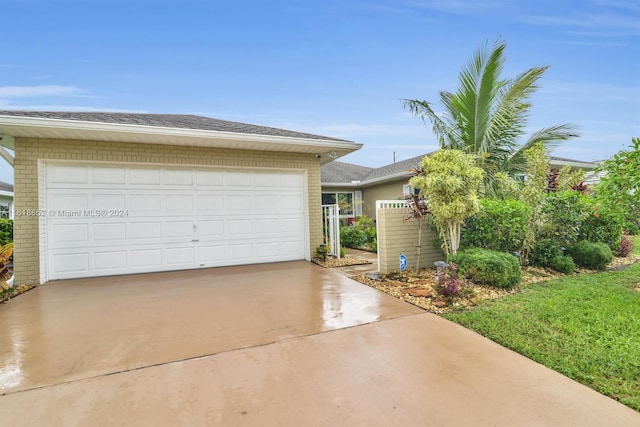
<point>440,267</point>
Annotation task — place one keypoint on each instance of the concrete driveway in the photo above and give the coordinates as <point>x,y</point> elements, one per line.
<point>276,344</point>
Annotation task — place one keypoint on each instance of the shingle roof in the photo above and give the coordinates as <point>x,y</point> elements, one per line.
<point>340,172</point>
<point>182,121</point>
<point>5,186</point>
<point>346,173</point>
<point>396,168</point>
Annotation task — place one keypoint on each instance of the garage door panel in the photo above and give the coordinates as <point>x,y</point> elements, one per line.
<point>179,228</point>
<point>237,179</point>
<point>178,203</point>
<point>110,260</point>
<point>214,254</point>
<point>175,219</point>
<point>109,231</point>
<point>289,180</point>
<point>209,228</point>
<point>144,177</point>
<point>292,225</point>
<point>240,251</point>
<point>209,203</point>
<point>71,263</point>
<point>68,202</point>
<point>267,225</point>
<point>267,180</point>
<point>145,203</point>
<point>267,202</point>
<point>291,203</point>
<point>291,248</point>
<point>238,204</point>
<point>65,174</point>
<point>239,227</point>
<point>209,179</point>
<point>180,256</point>
<point>107,175</point>
<point>70,233</point>
<point>146,258</point>
<point>109,202</point>
<point>177,177</point>
<point>146,230</point>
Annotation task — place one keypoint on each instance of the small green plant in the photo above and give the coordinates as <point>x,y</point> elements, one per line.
<point>450,285</point>
<point>543,252</point>
<point>488,267</point>
<point>563,264</point>
<point>625,247</point>
<point>5,258</point>
<point>6,231</point>
<point>586,254</point>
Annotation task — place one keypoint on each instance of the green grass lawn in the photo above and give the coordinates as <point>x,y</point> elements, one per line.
<point>586,327</point>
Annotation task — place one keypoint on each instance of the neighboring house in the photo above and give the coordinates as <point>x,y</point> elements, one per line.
<point>359,187</point>
<point>100,194</point>
<point>6,200</point>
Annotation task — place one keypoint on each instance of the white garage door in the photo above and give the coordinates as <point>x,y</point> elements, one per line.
<point>105,220</point>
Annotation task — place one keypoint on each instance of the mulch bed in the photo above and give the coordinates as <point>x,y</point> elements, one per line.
<point>345,261</point>
<point>419,288</point>
<point>18,290</point>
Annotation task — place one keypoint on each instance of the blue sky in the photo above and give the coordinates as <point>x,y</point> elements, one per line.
<point>336,68</point>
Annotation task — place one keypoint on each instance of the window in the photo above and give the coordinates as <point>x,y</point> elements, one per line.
<point>344,200</point>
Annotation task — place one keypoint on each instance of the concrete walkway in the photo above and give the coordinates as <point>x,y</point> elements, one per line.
<point>280,344</point>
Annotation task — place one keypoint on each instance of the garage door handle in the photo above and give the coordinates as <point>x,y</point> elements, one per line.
<point>195,240</point>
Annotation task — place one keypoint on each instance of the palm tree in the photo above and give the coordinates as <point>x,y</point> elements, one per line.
<point>487,115</point>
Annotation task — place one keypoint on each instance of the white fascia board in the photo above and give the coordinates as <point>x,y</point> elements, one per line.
<point>381,180</point>
<point>31,127</point>
<point>573,164</point>
<point>6,193</point>
<point>387,178</point>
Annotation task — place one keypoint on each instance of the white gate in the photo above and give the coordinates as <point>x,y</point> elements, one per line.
<point>331,229</point>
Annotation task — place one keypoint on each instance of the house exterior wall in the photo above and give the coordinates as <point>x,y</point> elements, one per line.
<point>385,191</point>
<point>397,236</point>
<point>29,190</point>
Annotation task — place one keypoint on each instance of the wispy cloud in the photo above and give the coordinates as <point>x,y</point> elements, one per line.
<point>612,19</point>
<point>462,7</point>
<point>39,91</point>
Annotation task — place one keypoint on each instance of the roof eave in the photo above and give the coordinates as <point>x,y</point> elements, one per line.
<point>381,180</point>
<point>30,127</point>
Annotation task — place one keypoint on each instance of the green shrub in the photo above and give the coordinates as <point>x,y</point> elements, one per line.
<point>6,231</point>
<point>604,224</point>
<point>543,252</point>
<point>501,225</point>
<point>489,267</point>
<point>367,225</point>
<point>352,237</point>
<point>586,254</point>
<point>563,264</point>
<point>565,213</point>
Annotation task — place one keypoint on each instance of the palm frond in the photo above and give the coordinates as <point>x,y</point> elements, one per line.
<point>550,137</point>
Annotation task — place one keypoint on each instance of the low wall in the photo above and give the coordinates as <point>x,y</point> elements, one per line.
<point>399,236</point>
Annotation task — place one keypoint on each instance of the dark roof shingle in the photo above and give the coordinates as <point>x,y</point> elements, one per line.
<point>182,121</point>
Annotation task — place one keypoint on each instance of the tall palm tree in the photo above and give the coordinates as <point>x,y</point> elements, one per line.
<point>487,115</point>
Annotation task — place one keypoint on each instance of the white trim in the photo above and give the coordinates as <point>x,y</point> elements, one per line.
<point>31,127</point>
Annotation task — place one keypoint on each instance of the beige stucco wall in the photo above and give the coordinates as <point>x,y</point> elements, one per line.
<point>397,236</point>
<point>28,192</point>
<point>386,191</point>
